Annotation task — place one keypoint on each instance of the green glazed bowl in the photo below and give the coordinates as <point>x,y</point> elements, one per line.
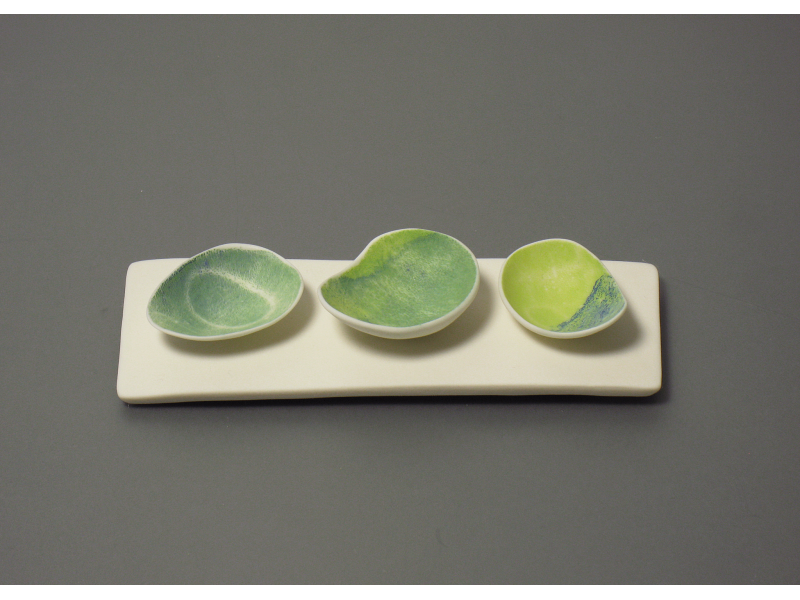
<point>405,284</point>
<point>225,292</point>
<point>557,288</point>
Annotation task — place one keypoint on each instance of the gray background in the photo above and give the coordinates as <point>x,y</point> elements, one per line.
<point>673,141</point>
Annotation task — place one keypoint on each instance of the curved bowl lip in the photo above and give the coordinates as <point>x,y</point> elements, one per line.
<point>546,332</point>
<point>412,331</point>
<point>234,334</point>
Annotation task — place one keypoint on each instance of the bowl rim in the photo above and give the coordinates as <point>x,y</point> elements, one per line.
<point>546,332</point>
<point>410,331</point>
<point>233,334</point>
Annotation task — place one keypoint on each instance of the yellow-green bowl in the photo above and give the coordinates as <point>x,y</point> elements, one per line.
<point>557,288</point>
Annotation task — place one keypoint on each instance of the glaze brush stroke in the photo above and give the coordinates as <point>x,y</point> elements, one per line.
<point>602,305</point>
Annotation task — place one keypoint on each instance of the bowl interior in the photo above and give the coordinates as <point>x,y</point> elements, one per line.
<point>559,286</point>
<point>225,291</point>
<point>404,279</point>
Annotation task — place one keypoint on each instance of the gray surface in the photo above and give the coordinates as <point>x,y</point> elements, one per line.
<point>674,141</point>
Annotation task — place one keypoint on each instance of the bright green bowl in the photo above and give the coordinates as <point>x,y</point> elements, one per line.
<point>557,288</point>
<point>225,292</point>
<point>405,284</point>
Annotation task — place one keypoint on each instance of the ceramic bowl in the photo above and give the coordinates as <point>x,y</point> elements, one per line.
<point>557,288</point>
<point>225,292</point>
<point>405,284</point>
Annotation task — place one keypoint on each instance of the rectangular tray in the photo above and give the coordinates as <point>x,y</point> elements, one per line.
<point>311,354</point>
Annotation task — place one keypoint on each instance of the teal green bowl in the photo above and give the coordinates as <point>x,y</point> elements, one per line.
<point>225,292</point>
<point>405,284</point>
<point>557,288</point>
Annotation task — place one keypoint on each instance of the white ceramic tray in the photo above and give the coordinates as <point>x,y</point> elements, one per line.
<point>311,354</point>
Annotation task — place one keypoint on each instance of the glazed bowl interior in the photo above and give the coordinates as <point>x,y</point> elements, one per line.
<point>225,292</point>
